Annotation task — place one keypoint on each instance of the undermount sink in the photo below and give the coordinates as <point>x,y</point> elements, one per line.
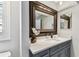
<point>49,40</point>
<point>52,40</point>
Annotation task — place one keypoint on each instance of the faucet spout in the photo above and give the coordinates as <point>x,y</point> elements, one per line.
<point>51,35</point>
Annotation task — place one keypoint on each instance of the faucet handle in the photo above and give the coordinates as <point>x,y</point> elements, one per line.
<point>51,35</point>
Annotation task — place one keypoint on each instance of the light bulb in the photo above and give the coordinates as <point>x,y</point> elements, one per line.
<point>60,2</point>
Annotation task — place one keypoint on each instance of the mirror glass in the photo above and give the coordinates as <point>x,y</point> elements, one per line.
<point>65,20</point>
<point>43,20</point>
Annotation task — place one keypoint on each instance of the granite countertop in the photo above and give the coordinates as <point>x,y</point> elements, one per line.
<point>43,44</point>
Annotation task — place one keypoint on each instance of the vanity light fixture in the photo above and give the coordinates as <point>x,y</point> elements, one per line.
<point>60,3</point>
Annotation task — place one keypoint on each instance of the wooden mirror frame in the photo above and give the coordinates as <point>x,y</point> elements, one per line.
<point>65,17</point>
<point>35,5</point>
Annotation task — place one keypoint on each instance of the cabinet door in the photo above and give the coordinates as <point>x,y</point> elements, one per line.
<point>67,51</point>
<point>60,54</point>
<point>47,55</point>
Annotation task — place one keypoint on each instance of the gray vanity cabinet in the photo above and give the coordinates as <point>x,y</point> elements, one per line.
<point>60,54</point>
<point>60,50</point>
<point>67,51</point>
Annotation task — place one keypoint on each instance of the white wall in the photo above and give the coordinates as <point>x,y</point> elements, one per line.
<point>75,32</point>
<point>12,27</point>
<point>13,43</point>
<point>15,28</point>
<point>64,32</point>
<point>25,28</point>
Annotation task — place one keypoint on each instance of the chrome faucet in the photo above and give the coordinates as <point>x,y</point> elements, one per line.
<point>51,35</point>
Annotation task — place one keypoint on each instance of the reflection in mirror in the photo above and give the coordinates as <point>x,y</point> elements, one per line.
<point>43,20</point>
<point>64,24</point>
<point>65,21</point>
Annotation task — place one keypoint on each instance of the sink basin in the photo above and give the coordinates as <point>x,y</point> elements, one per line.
<point>48,39</point>
<point>56,40</point>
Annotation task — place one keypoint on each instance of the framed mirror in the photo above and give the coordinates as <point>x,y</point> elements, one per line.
<point>43,18</point>
<point>66,20</point>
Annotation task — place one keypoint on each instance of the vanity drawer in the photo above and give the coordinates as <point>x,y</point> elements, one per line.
<point>53,50</point>
<point>59,47</point>
<point>67,43</point>
<point>60,53</point>
<point>44,53</point>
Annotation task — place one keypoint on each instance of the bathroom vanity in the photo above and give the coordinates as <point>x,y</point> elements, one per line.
<point>44,19</point>
<point>51,48</point>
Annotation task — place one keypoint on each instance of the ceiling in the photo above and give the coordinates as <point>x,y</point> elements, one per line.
<point>65,4</point>
<point>56,4</point>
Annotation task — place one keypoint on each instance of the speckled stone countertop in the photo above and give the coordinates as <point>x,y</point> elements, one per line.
<point>45,43</point>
